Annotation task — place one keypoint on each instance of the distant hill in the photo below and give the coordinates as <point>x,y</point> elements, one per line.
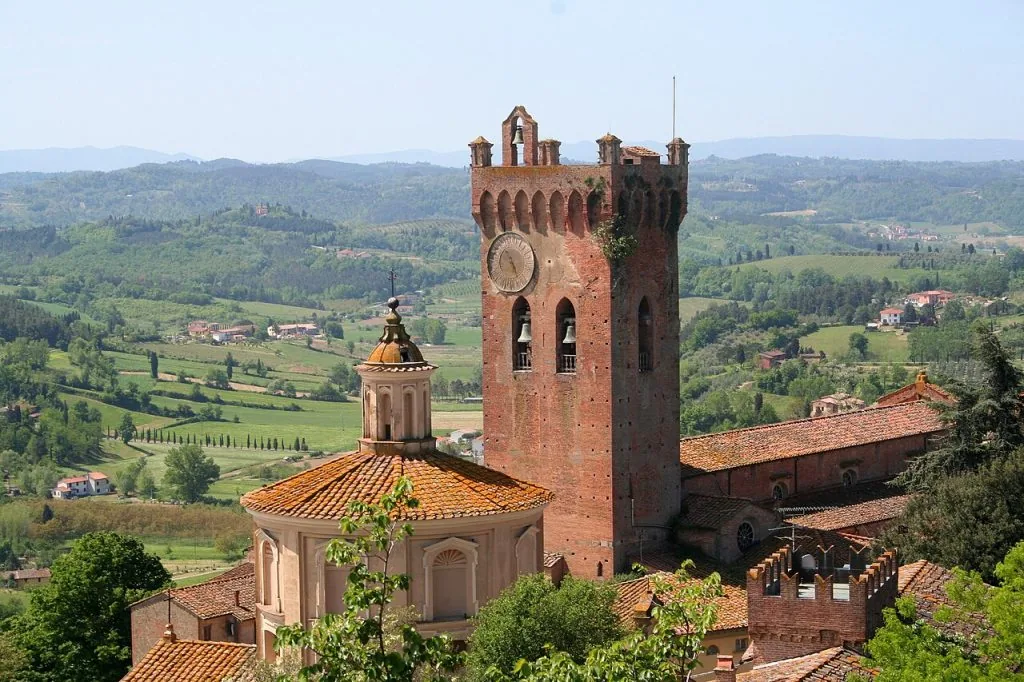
<point>813,146</point>
<point>374,194</point>
<point>833,190</point>
<point>62,160</point>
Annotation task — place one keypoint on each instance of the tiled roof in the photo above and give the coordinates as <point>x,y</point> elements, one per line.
<point>705,511</point>
<point>927,583</point>
<point>247,567</point>
<point>854,514</point>
<point>222,596</point>
<point>732,449</point>
<point>640,151</point>
<point>830,665</point>
<point>186,660</point>
<point>732,605</point>
<point>447,487</point>
<point>921,389</point>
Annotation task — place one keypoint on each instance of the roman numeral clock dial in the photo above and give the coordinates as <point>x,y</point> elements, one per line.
<point>511,262</point>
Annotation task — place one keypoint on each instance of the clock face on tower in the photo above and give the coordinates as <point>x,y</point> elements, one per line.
<point>510,262</point>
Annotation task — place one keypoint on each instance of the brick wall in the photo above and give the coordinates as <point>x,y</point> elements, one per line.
<point>783,622</point>
<point>613,466</point>
<point>149,620</point>
<point>810,473</point>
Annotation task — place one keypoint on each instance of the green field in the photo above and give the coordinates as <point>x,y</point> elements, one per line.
<point>689,307</point>
<point>840,266</point>
<point>882,346</point>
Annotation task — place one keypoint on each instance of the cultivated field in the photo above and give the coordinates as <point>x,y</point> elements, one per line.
<point>882,346</point>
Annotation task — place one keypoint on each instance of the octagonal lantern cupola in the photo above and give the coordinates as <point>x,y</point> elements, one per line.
<point>396,392</point>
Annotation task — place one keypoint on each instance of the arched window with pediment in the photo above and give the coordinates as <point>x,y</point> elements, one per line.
<point>450,570</point>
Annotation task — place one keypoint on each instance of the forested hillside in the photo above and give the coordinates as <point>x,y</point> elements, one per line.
<point>835,190</point>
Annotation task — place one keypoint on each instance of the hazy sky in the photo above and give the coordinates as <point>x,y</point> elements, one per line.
<point>268,81</point>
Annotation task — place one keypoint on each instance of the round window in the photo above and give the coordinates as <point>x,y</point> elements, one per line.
<point>712,650</point>
<point>745,536</point>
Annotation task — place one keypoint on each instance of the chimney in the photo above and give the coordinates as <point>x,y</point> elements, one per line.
<point>169,634</point>
<point>725,671</point>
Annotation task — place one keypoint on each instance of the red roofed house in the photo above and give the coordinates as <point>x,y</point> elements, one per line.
<point>932,297</point>
<point>771,358</point>
<point>93,483</point>
<point>189,660</point>
<point>221,610</point>
<point>891,316</point>
<point>27,577</point>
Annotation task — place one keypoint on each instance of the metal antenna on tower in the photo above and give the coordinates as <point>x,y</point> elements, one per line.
<point>673,107</point>
<point>392,277</point>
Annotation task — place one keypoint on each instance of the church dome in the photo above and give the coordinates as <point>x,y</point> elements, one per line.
<point>395,350</point>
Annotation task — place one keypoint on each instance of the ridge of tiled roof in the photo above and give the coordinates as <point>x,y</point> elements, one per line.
<point>188,660</point>
<point>245,568</point>
<point>447,487</point>
<point>771,442</point>
<point>921,389</point>
<point>216,597</point>
<point>829,665</point>
<point>855,514</point>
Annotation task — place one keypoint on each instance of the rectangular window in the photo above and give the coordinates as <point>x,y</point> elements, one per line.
<point>207,629</point>
<point>741,644</point>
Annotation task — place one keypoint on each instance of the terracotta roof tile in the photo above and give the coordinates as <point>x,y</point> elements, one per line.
<point>921,389</point>
<point>705,511</point>
<point>731,449</point>
<point>551,559</point>
<point>446,487</point>
<point>186,660</point>
<point>640,151</point>
<point>732,605</point>
<point>830,665</point>
<point>218,597</point>
<point>927,583</point>
<point>855,514</point>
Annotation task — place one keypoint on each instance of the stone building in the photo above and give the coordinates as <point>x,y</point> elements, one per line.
<point>475,530</point>
<point>219,610</point>
<point>580,369</point>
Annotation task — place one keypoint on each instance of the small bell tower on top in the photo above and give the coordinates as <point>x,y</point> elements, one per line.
<point>580,310</point>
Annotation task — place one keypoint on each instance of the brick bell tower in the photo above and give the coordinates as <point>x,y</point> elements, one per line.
<point>580,351</point>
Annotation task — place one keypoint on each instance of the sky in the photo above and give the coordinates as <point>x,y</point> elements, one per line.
<point>274,81</point>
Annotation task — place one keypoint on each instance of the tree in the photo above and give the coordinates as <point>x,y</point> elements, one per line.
<point>917,247</point>
<point>190,472</point>
<point>47,515</point>
<point>910,648</point>
<point>154,365</point>
<point>667,654</point>
<point>80,620</point>
<point>532,613</point>
<point>229,365</point>
<point>969,520</point>
<point>859,344</point>
<point>909,313</point>
<point>126,428</point>
<point>147,485</point>
<point>217,378</point>
<point>985,423</point>
<point>953,312</point>
<point>351,646</point>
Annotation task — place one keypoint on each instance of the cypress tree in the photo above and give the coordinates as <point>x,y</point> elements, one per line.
<point>248,441</point>
<point>296,446</point>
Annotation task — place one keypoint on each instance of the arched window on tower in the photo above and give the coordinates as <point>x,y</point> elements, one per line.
<point>645,336</point>
<point>522,337</point>
<point>565,334</point>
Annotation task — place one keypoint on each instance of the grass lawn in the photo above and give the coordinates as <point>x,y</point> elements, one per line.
<point>882,346</point>
<point>689,307</point>
<point>841,266</point>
